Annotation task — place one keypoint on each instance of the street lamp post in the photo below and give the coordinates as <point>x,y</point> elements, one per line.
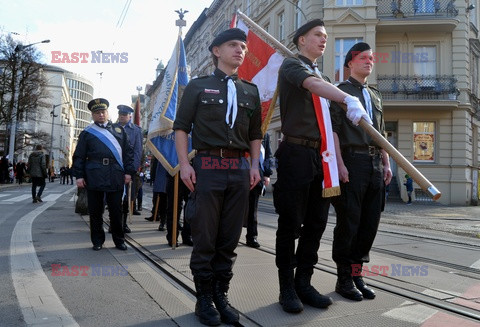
<point>13,126</point>
<point>52,113</point>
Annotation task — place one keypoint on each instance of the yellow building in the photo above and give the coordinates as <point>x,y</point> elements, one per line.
<point>427,70</point>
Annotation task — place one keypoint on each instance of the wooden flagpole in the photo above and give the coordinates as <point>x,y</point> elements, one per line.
<point>382,142</point>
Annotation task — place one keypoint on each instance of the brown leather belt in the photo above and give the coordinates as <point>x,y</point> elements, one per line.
<point>224,153</point>
<point>370,150</point>
<point>304,142</point>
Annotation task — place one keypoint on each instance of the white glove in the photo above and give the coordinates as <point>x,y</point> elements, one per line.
<point>355,110</point>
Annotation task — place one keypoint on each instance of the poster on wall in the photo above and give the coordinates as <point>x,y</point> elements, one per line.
<point>423,147</point>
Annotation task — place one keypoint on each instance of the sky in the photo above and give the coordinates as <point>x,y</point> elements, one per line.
<point>146,34</point>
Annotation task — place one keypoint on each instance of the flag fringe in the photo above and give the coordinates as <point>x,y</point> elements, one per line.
<point>331,192</point>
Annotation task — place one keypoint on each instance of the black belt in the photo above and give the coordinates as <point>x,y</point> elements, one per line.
<point>103,161</point>
<point>224,153</point>
<point>304,142</point>
<point>369,150</point>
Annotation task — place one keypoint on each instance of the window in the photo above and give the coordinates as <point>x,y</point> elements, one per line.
<point>298,14</point>
<point>281,26</point>
<point>341,48</point>
<point>267,28</point>
<point>473,13</point>
<point>424,60</point>
<point>345,3</point>
<point>424,6</point>
<point>424,141</point>
<point>474,74</point>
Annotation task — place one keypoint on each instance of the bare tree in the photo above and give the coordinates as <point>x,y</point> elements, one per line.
<point>30,83</point>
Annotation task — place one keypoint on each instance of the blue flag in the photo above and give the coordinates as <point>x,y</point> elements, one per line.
<point>161,137</point>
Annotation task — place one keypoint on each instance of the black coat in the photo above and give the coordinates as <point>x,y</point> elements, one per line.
<point>89,163</point>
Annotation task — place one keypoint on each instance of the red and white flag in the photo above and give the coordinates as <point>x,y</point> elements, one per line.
<point>260,66</point>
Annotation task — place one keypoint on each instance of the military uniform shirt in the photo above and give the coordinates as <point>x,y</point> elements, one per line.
<point>135,138</point>
<point>204,104</point>
<point>349,134</point>
<point>297,112</point>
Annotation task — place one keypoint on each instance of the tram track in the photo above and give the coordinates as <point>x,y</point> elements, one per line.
<point>386,284</point>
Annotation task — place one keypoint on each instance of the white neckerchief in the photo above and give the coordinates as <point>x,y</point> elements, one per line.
<point>368,100</point>
<point>232,107</point>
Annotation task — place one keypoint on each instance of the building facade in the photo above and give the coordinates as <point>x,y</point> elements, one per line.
<point>427,57</point>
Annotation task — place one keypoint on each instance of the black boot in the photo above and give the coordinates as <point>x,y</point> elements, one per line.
<point>367,292</point>
<point>204,308</point>
<point>307,293</point>
<point>220,289</point>
<point>288,297</point>
<point>139,205</point>
<point>345,286</point>
<point>126,229</point>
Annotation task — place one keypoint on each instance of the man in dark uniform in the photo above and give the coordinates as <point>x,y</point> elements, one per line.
<point>265,173</point>
<point>364,170</point>
<point>226,114</point>
<point>135,137</point>
<point>298,191</point>
<point>103,164</point>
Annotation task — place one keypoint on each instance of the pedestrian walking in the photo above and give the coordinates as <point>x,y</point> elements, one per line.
<point>37,169</point>
<point>409,186</point>
<point>299,197</point>
<point>103,164</point>
<point>364,170</point>
<point>20,172</point>
<point>226,113</point>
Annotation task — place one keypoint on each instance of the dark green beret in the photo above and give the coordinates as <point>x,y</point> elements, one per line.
<point>354,51</point>
<point>302,30</point>
<point>228,35</point>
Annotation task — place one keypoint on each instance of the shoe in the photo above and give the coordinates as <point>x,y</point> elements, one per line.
<point>170,244</point>
<point>97,247</point>
<point>253,243</point>
<point>136,213</point>
<point>187,241</point>
<point>127,229</point>
<point>149,218</point>
<point>367,292</point>
<point>39,199</point>
<point>35,200</point>
<point>122,247</point>
<point>161,227</point>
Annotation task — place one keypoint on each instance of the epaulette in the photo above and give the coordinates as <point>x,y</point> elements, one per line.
<point>374,88</point>
<point>201,77</point>
<point>248,82</point>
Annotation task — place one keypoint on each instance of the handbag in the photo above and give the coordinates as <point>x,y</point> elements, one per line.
<point>81,206</point>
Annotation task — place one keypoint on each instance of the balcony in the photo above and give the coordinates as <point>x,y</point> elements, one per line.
<point>418,88</point>
<point>410,15</point>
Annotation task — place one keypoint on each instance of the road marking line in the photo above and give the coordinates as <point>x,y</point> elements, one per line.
<point>52,197</point>
<point>416,313</point>
<point>4,194</point>
<point>21,198</point>
<point>476,264</point>
<point>38,300</point>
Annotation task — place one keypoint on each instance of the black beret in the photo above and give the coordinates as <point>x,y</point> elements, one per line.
<point>355,50</point>
<point>302,30</point>
<point>228,35</point>
<point>98,104</point>
<point>123,109</point>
